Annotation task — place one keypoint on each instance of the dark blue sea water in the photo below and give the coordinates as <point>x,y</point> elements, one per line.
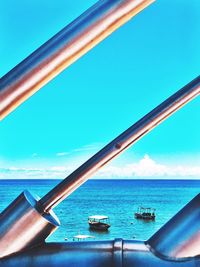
<point>118,199</point>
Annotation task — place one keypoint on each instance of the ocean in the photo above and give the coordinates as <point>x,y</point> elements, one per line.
<point>118,199</point>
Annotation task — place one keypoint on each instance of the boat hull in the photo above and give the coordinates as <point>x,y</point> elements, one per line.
<point>99,226</point>
<point>145,217</point>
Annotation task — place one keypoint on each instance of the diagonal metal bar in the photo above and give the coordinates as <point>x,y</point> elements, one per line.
<point>121,143</point>
<point>63,49</point>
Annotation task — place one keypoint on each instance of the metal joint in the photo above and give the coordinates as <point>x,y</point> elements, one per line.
<point>118,252</point>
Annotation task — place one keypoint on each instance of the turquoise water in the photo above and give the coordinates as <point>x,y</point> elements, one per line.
<point>118,199</point>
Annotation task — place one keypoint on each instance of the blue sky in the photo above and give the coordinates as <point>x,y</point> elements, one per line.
<point>103,93</point>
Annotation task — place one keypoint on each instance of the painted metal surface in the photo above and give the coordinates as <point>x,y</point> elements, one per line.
<point>63,49</point>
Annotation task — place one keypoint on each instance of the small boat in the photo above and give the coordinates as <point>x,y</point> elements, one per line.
<point>81,237</point>
<point>99,222</point>
<point>145,213</point>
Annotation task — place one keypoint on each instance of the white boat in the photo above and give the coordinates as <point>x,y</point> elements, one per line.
<point>81,237</point>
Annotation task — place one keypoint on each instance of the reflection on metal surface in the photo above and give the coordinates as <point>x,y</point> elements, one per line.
<point>118,252</point>
<point>180,237</point>
<point>21,225</point>
<point>63,49</point>
<point>95,254</point>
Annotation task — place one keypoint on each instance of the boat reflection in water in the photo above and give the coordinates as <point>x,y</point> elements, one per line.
<point>99,222</point>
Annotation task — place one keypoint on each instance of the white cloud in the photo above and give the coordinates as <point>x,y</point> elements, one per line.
<point>146,167</point>
<point>61,154</point>
<point>85,148</point>
<point>35,173</point>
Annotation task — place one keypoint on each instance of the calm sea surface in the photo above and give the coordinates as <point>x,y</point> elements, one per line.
<point>118,199</point>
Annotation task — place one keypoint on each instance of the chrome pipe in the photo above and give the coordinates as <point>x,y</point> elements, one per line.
<point>22,225</point>
<point>28,221</point>
<point>181,233</point>
<point>119,144</point>
<point>95,254</point>
<point>180,237</point>
<point>63,49</point>
<point>34,212</point>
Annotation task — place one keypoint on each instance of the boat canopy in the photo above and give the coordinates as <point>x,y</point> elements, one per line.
<point>98,217</point>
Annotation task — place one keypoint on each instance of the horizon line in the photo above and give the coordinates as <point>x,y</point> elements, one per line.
<point>104,179</point>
